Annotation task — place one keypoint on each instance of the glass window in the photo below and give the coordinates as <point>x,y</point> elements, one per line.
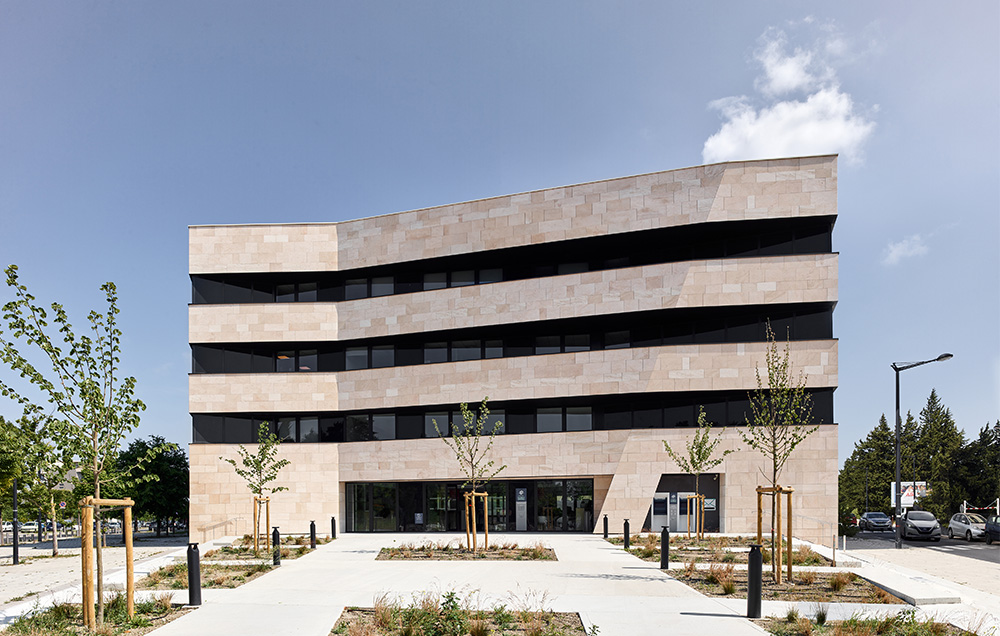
<point>572,268</point>
<point>287,429</point>
<point>331,429</point>
<point>207,359</point>
<point>547,344</point>
<point>463,278</point>
<point>490,276</point>
<point>442,424</point>
<point>383,356</point>
<point>494,348</point>
<point>355,288</point>
<point>616,340</point>
<point>308,360</point>
<point>578,418</point>
<point>678,415</point>
<point>356,358</point>
<point>579,505</point>
<point>358,428</point>
<point>436,506</point>
<point>435,352</point>
<point>615,420</point>
<point>577,343</point>
<point>409,426</point>
<point>647,417</point>
<point>384,507</point>
<point>383,286</point>
<point>384,427</point>
<point>362,508</point>
<point>437,280</point>
<point>284,362</point>
<point>309,429</point>
<point>284,293</point>
<point>263,362</point>
<point>465,350</point>
<point>240,291</point>
<point>548,420</point>
<point>550,505</point>
<point>204,290</point>
<point>495,417</point>
<point>238,361</point>
<point>308,292</point>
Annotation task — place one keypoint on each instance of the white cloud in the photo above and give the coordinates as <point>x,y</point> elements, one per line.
<point>801,108</point>
<point>824,123</point>
<point>913,245</point>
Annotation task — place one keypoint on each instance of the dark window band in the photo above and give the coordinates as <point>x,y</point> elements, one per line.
<point>714,325</point>
<point>606,412</point>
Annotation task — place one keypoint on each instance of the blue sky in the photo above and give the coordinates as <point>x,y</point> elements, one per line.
<point>123,123</point>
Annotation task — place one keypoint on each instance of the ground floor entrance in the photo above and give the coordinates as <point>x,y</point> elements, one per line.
<point>528,505</point>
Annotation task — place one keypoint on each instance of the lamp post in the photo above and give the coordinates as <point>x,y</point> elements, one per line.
<point>897,367</point>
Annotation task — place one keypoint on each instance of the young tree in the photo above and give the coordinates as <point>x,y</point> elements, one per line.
<point>46,467</point>
<point>781,410</point>
<point>260,468</point>
<point>700,450</point>
<point>466,442</point>
<point>90,406</point>
<point>166,496</point>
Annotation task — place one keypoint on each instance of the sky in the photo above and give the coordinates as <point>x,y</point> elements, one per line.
<point>122,123</point>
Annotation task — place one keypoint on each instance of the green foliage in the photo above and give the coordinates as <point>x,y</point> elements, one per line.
<point>260,468</point>
<point>466,443</point>
<point>700,450</point>
<point>781,410</point>
<point>932,449</point>
<point>162,493</point>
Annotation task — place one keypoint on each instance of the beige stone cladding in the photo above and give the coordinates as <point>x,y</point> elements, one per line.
<point>625,464</point>
<point>721,192</point>
<point>741,281</point>
<point>221,503</point>
<point>706,367</point>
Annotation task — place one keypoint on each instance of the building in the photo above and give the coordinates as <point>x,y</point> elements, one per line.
<point>597,318</point>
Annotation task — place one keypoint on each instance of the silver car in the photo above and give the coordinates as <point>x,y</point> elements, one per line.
<point>920,524</point>
<point>968,525</point>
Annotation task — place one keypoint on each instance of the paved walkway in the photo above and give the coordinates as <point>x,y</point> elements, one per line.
<point>610,589</point>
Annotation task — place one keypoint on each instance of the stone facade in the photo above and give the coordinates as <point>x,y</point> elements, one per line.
<point>625,465</point>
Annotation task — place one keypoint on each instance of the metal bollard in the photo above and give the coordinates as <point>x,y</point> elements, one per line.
<point>754,567</point>
<point>194,575</point>
<point>14,528</point>
<point>626,534</point>
<point>665,548</point>
<point>605,526</point>
<point>276,542</point>
<point>312,535</point>
<point>333,528</point>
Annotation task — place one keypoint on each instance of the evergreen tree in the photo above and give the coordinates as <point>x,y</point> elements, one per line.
<point>873,461</point>
<point>939,442</point>
<point>977,468</point>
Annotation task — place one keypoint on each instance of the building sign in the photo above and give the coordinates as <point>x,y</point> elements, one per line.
<point>710,504</point>
<point>418,518</point>
<point>910,492</point>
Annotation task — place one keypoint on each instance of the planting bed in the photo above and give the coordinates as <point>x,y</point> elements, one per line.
<point>455,551</point>
<point>903,624</point>
<point>175,577</point>
<point>66,619</point>
<point>839,587</point>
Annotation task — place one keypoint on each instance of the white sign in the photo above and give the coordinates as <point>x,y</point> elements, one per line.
<point>910,491</point>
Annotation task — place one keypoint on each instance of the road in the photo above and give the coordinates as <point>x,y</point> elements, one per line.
<point>882,540</point>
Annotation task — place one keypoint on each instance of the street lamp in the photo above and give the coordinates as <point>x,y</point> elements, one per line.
<point>897,367</point>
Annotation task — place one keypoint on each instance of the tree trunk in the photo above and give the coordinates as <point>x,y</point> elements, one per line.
<point>55,525</point>
<point>100,557</point>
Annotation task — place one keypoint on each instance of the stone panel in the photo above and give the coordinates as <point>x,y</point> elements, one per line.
<point>719,192</point>
<point>713,283</point>
<point>645,369</point>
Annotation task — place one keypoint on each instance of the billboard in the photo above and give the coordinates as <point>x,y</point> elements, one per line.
<point>910,491</point>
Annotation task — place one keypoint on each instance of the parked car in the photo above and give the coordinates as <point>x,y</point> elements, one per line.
<point>992,529</point>
<point>967,525</point>
<point>8,526</point>
<point>875,521</point>
<point>29,527</point>
<point>920,524</point>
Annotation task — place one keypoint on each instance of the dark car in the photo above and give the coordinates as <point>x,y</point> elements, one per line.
<point>875,521</point>
<point>920,524</point>
<point>992,529</point>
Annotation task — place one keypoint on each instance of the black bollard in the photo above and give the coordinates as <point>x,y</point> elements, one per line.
<point>605,526</point>
<point>194,575</point>
<point>754,567</point>
<point>333,528</point>
<point>626,534</point>
<point>665,548</point>
<point>276,542</point>
<point>312,535</point>
<point>15,528</point>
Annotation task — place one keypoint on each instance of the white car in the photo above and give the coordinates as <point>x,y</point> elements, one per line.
<point>29,527</point>
<point>967,525</point>
<point>8,526</point>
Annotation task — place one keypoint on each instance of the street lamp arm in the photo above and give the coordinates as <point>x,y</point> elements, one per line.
<point>903,366</point>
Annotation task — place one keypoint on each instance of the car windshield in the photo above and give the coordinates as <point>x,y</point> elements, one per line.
<point>921,516</point>
<point>877,515</point>
<point>976,519</point>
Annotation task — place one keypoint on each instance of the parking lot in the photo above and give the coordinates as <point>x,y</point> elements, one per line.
<point>882,540</point>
